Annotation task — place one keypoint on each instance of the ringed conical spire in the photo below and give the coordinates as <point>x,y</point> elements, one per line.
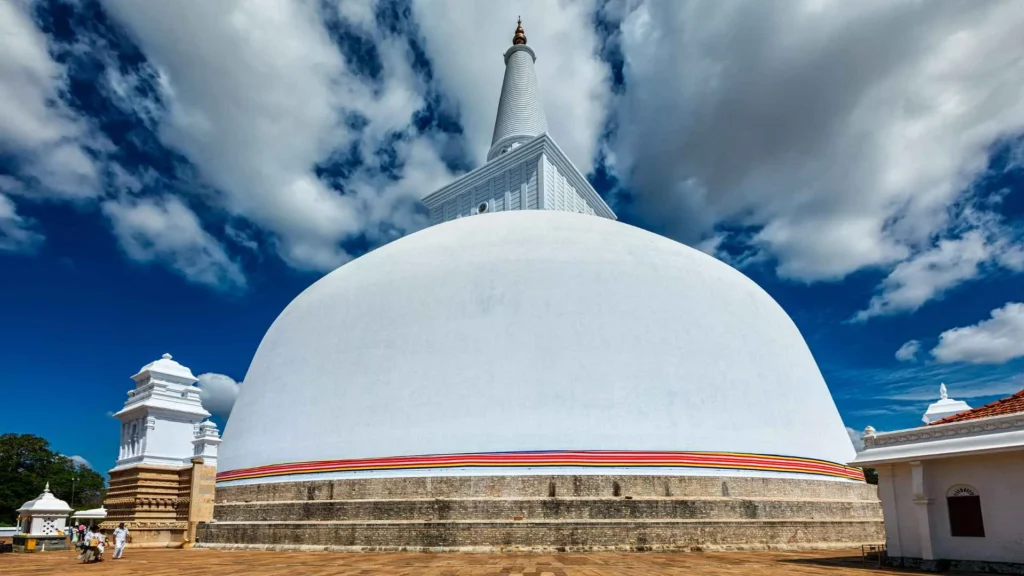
<point>520,114</point>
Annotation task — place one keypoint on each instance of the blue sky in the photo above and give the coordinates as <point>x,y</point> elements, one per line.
<point>173,174</point>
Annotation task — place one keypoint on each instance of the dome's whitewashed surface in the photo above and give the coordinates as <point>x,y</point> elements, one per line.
<point>531,330</point>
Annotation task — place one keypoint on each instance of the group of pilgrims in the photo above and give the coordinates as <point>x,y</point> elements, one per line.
<point>92,542</point>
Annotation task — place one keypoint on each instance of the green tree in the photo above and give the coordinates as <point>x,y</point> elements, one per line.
<point>27,464</point>
<point>870,475</point>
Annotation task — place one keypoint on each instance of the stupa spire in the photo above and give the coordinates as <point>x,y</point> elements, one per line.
<point>520,36</point>
<point>520,115</point>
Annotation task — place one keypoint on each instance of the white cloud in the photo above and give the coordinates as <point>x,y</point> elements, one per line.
<point>857,438</point>
<point>16,234</point>
<point>909,388</point>
<point>44,136</point>
<point>465,42</point>
<point>362,14</point>
<point>996,340</point>
<point>80,461</point>
<point>834,134</point>
<point>929,274</point>
<point>167,231</point>
<point>839,131</point>
<point>241,238</point>
<point>889,409</point>
<point>983,388</point>
<point>259,93</point>
<point>979,241</point>
<point>218,393</point>
<point>908,352</point>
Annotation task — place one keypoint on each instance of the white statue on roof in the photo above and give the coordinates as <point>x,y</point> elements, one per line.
<point>944,408</point>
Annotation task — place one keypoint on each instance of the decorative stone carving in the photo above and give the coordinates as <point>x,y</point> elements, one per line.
<point>1010,422</point>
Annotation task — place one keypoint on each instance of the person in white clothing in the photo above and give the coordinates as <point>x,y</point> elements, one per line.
<point>101,534</point>
<point>120,539</point>
<point>94,546</point>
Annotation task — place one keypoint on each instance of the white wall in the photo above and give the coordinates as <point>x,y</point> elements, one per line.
<point>506,190</point>
<point>171,440</point>
<point>517,188</point>
<point>168,443</point>
<point>998,478</point>
<point>560,194</point>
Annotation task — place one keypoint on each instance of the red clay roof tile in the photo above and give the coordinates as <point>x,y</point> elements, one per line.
<point>1008,405</point>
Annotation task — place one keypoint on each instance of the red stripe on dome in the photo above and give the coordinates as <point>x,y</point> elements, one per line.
<point>622,459</point>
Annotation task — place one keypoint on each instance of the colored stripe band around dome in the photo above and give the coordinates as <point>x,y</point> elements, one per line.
<point>722,460</point>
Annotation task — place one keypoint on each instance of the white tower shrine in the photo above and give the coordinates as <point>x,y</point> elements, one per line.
<point>525,169</point>
<point>163,483</point>
<point>161,417</point>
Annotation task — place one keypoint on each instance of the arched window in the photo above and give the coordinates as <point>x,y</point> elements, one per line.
<point>964,505</point>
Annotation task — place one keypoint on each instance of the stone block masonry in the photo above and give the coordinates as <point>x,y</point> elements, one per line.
<point>545,513</point>
<point>161,506</point>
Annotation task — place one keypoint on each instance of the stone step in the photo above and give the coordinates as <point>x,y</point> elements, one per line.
<point>609,521</point>
<point>546,486</point>
<point>547,509</point>
<point>543,535</point>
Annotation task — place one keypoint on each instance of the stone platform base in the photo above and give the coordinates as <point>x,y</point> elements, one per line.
<point>546,513</point>
<point>957,565</point>
<point>39,543</point>
<point>152,534</point>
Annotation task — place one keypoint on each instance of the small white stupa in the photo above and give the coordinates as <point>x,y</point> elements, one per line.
<point>207,439</point>
<point>47,515</point>
<point>944,408</point>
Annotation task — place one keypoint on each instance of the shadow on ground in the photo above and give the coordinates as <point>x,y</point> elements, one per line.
<point>852,563</point>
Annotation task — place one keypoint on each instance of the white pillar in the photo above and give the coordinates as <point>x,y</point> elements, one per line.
<point>888,495</point>
<point>921,509</point>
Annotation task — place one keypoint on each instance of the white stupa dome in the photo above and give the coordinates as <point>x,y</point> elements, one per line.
<point>530,331</point>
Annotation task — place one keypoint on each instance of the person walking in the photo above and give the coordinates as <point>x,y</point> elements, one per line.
<point>120,539</point>
<point>102,534</point>
<point>91,550</point>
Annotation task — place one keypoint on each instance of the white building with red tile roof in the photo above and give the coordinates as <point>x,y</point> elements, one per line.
<point>951,490</point>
